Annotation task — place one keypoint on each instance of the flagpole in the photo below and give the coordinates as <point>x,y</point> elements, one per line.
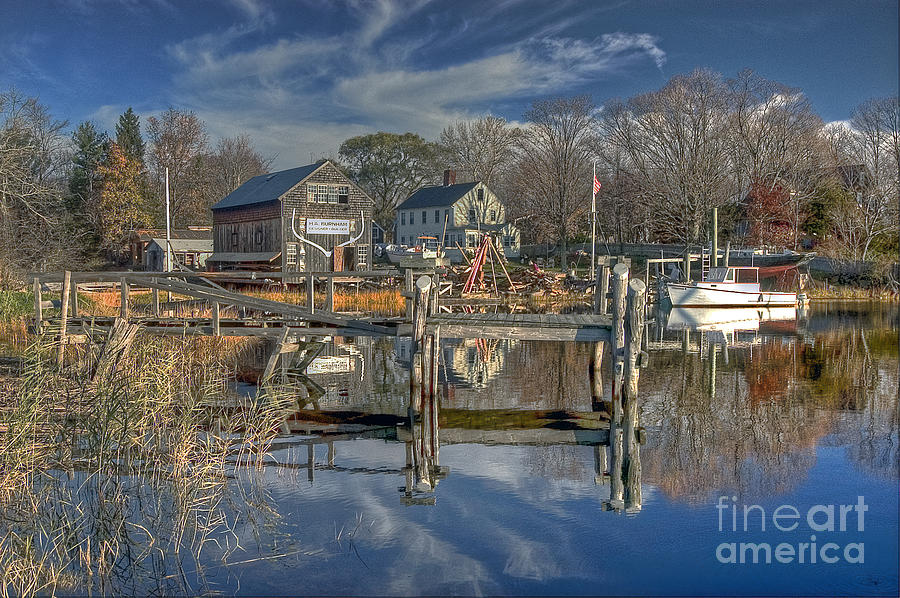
<point>594,225</point>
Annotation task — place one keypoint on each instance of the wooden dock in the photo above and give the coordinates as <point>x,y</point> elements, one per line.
<point>545,327</point>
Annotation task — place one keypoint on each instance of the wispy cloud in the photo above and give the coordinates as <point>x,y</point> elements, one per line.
<point>393,66</point>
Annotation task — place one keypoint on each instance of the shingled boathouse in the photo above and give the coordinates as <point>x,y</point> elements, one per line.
<point>306,219</point>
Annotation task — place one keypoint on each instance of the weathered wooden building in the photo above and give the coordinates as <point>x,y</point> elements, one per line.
<point>306,219</point>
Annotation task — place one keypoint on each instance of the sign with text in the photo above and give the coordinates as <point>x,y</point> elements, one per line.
<point>327,226</point>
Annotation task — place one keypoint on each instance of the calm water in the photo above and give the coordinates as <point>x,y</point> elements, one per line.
<point>798,415</point>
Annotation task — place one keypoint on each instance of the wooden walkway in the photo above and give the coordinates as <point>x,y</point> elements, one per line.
<point>547,327</point>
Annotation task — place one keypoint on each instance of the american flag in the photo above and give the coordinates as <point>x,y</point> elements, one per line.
<point>596,185</point>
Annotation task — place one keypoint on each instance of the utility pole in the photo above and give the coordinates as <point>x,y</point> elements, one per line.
<point>168,229</point>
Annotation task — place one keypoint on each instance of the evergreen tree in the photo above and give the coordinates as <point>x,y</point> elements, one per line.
<point>90,151</point>
<point>128,135</point>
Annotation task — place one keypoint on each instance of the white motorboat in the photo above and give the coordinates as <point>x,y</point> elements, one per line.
<point>736,286</point>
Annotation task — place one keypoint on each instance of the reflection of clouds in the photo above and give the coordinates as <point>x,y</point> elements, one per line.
<point>530,560</point>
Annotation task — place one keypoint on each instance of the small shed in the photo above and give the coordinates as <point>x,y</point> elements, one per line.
<point>306,219</point>
<point>190,253</point>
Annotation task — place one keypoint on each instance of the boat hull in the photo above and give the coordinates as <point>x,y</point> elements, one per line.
<point>684,295</point>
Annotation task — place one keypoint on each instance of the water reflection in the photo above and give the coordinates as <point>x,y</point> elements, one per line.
<point>497,482</point>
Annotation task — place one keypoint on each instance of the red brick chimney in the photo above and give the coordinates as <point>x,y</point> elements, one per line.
<point>449,177</point>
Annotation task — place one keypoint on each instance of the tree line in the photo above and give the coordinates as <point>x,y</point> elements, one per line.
<point>752,147</point>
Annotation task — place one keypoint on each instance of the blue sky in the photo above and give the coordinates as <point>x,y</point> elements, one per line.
<point>301,76</point>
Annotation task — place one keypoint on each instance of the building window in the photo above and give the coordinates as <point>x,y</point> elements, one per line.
<point>403,240</point>
<point>344,194</point>
<point>470,240</point>
<point>507,240</point>
<point>447,217</point>
<point>188,259</point>
<point>290,256</point>
<point>234,240</point>
<point>481,195</point>
<point>493,215</point>
<point>412,217</point>
<point>403,218</point>
<point>437,216</point>
<point>471,214</point>
<point>332,194</point>
<point>424,217</point>
<point>362,257</point>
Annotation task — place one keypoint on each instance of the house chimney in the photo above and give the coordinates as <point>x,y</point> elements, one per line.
<point>449,177</point>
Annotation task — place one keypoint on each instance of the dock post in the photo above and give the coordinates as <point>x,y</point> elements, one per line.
<point>329,294</point>
<point>74,300</point>
<point>422,290</point>
<point>38,308</point>
<point>155,293</point>
<point>601,286</point>
<point>63,319</point>
<point>687,265</point>
<point>408,288</point>
<point>595,370</point>
<point>123,305</point>
<point>634,328</point>
<point>311,293</point>
<point>617,349</point>
<point>216,323</point>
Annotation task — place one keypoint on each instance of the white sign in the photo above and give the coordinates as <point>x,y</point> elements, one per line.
<point>330,365</point>
<point>325,226</point>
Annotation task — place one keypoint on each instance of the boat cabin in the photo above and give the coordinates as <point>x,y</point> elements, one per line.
<point>735,278</point>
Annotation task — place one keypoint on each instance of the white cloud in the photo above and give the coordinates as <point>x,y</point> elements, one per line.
<point>305,94</point>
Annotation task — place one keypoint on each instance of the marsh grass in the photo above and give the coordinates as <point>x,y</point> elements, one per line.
<point>118,485</point>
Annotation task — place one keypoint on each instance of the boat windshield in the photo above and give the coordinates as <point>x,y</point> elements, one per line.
<point>716,274</point>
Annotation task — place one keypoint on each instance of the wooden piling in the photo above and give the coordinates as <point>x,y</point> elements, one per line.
<point>634,329</point>
<point>74,300</point>
<point>420,309</point>
<point>123,304</point>
<point>38,307</point>
<point>715,237</point>
<point>311,293</point>
<point>408,288</point>
<point>155,292</point>
<point>595,370</point>
<point>63,318</point>
<point>620,282</point>
<point>601,286</point>
<point>216,321</point>
<point>687,266</point>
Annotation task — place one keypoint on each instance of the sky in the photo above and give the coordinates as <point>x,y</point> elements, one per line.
<point>301,76</point>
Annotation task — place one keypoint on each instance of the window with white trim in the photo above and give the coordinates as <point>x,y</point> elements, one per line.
<point>362,257</point>
<point>290,256</point>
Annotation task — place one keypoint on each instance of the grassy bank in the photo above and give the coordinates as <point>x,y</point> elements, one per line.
<point>107,480</point>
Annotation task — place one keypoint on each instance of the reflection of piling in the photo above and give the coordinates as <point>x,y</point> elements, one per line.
<point>422,452</point>
<point>595,370</point>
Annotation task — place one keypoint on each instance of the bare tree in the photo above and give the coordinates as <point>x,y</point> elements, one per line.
<point>35,229</point>
<point>179,142</point>
<point>481,149</point>
<point>675,141</point>
<point>776,141</point>
<point>868,152</point>
<point>551,182</point>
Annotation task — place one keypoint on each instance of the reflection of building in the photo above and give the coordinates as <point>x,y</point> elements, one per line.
<point>343,371</point>
<point>475,362</point>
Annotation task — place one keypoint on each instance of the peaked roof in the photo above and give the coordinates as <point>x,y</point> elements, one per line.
<point>438,196</point>
<point>266,187</point>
